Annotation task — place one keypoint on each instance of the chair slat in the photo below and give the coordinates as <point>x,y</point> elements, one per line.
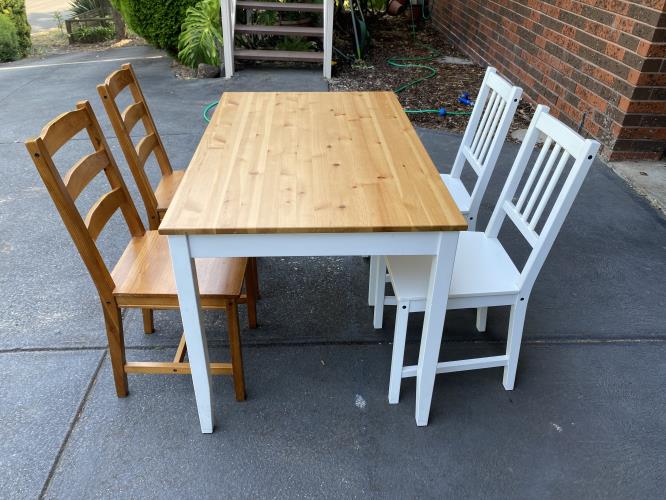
<point>484,119</point>
<point>535,170</point>
<point>103,210</point>
<point>474,163</point>
<point>549,189</point>
<point>132,114</point>
<point>484,132</point>
<point>60,130</point>
<point>85,170</point>
<point>491,134</point>
<point>145,147</point>
<point>117,81</point>
<point>542,180</point>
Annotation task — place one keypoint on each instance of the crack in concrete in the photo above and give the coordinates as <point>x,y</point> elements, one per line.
<point>72,425</point>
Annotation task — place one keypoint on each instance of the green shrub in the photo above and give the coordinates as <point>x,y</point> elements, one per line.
<point>158,21</point>
<point>200,40</point>
<point>78,7</point>
<point>92,34</point>
<point>9,48</point>
<point>15,10</point>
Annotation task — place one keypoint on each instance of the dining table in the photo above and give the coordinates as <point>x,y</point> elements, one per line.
<point>311,174</point>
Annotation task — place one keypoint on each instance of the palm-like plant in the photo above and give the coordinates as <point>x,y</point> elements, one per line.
<point>200,38</point>
<point>78,7</point>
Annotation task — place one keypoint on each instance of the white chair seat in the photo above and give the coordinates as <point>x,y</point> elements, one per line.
<point>482,268</point>
<point>458,193</point>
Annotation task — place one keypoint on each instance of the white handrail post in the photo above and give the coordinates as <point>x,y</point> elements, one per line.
<point>328,37</point>
<point>228,38</point>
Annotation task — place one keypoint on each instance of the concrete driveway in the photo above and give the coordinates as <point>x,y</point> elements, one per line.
<point>586,419</point>
<point>40,13</point>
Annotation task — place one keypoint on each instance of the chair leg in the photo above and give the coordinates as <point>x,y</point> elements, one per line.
<point>114,334</point>
<point>255,275</point>
<point>481,317</point>
<point>397,359</point>
<point>235,348</point>
<point>148,325</point>
<point>516,322</point>
<point>471,222</point>
<point>380,290</point>
<point>372,280</point>
<point>251,289</point>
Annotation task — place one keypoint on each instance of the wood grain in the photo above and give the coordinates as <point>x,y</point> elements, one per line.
<point>310,163</point>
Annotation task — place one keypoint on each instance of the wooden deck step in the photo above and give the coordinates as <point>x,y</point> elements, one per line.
<point>278,55</point>
<point>257,29</point>
<point>284,7</point>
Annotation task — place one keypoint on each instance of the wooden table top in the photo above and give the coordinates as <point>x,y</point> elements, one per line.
<point>325,162</point>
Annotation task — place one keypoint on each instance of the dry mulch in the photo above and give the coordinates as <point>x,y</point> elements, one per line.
<point>393,37</point>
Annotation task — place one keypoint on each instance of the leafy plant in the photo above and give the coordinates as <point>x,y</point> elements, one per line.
<point>78,7</point>
<point>92,34</point>
<point>158,21</point>
<point>296,43</point>
<point>57,15</point>
<point>200,38</point>
<point>9,47</point>
<point>15,11</point>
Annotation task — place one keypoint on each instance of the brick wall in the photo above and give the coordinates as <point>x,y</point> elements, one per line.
<point>605,58</point>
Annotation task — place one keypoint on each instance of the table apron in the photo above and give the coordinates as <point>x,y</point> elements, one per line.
<point>311,244</point>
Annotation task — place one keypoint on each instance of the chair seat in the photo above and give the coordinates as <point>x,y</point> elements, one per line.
<point>167,188</point>
<point>482,268</point>
<point>458,193</point>
<point>144,276</point>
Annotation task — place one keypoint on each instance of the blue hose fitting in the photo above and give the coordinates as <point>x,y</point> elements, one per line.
<point>442,111</point>
<point>464,99</point>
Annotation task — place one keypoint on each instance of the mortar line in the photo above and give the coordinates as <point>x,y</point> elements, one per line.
<point>75,420</point>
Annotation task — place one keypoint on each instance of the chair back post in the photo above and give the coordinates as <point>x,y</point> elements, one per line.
<point>561,145</point>
<point>41,149</point>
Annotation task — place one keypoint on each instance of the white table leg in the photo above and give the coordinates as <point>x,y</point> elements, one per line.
<point>195,335</point>
<point>433,323</point>
<point>372,280</point>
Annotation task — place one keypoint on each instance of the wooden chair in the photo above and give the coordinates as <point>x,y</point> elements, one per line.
<point>488,126</point>
<point>156,202</point>
<point>484,274</point>
<point>143,277</point>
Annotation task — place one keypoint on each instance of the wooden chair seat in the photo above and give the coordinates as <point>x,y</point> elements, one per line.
<point>144,276</point>
<point>166,189</point>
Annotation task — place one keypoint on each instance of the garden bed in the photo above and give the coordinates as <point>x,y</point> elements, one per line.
<point>394,37</point>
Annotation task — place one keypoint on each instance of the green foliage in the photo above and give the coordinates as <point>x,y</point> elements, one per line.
<point>201,37</point>
<point>92,34</point>
<point>78,7</point>
<point>9,48</point>
<point>158,21</point>
<point>296,43</point>
<point>15,11</point>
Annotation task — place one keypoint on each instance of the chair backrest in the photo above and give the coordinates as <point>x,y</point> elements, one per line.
<point>562,149</point>
<point>493,111</point>
<point>65,190</point>
<point>123,123</point>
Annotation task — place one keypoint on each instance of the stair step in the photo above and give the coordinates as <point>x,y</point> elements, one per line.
<point>278,55</point>
<point>256,29</point>
<point>284,7</point>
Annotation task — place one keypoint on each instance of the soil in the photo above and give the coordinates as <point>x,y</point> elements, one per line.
<point>55,41</point>
<point>395,37</point>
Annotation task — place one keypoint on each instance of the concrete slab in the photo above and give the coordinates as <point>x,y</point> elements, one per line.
<point>646,177</point>
<point>40,395</point>
<point>317,424</point>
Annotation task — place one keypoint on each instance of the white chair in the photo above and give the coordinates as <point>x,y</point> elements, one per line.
<point>484,275</point>
<point>486,131</point>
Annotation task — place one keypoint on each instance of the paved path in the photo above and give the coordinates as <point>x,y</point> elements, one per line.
<point>40,13</point>
<point>586,418</point>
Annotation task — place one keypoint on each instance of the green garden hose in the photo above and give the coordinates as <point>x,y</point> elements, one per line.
<point>207,109</point>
